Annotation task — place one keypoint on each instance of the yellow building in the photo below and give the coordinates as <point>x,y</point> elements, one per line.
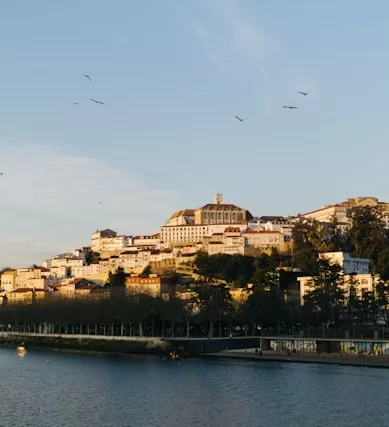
<point>8,280</point>
<point>25,295</point>
<point>152,285</point>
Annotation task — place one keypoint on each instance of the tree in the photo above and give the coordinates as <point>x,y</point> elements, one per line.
<point>326,299</point>
<point>117,282</point>
<point>91,257</point>
<point>367,233</point>
<point>215,305</point>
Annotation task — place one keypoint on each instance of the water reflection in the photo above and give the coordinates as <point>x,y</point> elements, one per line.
<point>145,391</point>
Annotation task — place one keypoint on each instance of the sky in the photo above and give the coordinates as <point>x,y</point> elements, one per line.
<point>172,75</point>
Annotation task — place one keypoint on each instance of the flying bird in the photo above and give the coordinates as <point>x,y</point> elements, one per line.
<point>1,173</point>
<point>87,77</point>
<point>101,202</point>
<point>75,103</point>
<point>96,101</point>
<point>291,107</point>
<point>303,93</point>
<point>239,118</point>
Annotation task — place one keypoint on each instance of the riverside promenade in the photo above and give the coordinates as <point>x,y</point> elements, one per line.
<point>301,357</point>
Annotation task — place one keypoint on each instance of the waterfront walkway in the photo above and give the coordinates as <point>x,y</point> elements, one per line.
<point>303,357</point>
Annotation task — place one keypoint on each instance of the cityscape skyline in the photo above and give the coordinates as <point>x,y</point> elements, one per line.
<point>172,78</point>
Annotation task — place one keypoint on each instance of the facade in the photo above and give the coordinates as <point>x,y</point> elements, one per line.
<point>98,235</point>
<point>358,284</point>
<point>191,226</point>
<point>341,211</point>
<point>25,295</point>
<point>8,280</point>
<point>153,286</point>
<point>264,240</point>
<point>348,264</point>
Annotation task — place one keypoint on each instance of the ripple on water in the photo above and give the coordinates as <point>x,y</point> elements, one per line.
<point>85,391</point>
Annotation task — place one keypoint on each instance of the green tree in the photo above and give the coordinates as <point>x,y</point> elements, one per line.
<point>326,299</point>
<point>91,256</point>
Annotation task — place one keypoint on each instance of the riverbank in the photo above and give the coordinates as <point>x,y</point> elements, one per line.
<point>323,358</point>
<point>85,343</point>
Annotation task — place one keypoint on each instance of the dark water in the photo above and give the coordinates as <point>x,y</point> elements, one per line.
<point>85,391</point>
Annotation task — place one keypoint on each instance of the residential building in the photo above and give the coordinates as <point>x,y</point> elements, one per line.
<point>8,280</point>
<point>348,264</point>
<point>282,224</point>
<point>264,240</point>
<point>153,286</point>
<point>229,242</point>
<point>25,295</point>
<point>358,284</point>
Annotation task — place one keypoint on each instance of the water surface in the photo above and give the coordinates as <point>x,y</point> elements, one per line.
<point>82,391</point>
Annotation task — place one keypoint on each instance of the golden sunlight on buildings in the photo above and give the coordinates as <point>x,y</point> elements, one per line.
<point>152,285</point>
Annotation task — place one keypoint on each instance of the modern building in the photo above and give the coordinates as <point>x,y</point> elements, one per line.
<point>357,284</point>
<point>348,264</point>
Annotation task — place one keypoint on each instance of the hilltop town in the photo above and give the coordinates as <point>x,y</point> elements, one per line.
<point>149,261</point>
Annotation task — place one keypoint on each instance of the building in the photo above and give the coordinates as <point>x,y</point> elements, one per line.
<point>191,226</point>
<point>348,264</point>
<point>25,295</point>
<point>229,242</point>
<point>152,285</point>
<point>98,235</point>
<point>282,224</point>
<point>8,280</point>
<point>357,284</point>
<point>264,240</point>
<point>341,211</point>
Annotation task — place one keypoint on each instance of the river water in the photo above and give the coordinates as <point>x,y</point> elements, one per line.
<point>59,389</point>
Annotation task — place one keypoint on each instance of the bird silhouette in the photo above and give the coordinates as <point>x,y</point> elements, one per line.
<point>291,107</point>
<point>303,93</point>
<point>95,101</point>
<point>1,173</point>
<point>87,77</point>
<point>239,118</point>
<point>75,103</point>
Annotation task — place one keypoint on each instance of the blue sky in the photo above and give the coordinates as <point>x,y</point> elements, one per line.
<point>172,75</point>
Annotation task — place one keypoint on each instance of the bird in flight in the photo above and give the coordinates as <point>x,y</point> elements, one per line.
<point>1,173</point>
<point>75,103</point>
<point>303,93</point>
<point>96,101</point>
<point>87,77</point>
<point>291,107</point>
<point>239,118</point>
<point>101,202</point>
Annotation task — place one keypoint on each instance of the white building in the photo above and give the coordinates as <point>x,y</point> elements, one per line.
<point>348,264</point>
<point>356,283</point>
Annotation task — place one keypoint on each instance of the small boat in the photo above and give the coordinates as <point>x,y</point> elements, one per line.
<point>173,356</point>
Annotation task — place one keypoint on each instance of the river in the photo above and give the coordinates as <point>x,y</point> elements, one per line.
<point>60,389</point>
